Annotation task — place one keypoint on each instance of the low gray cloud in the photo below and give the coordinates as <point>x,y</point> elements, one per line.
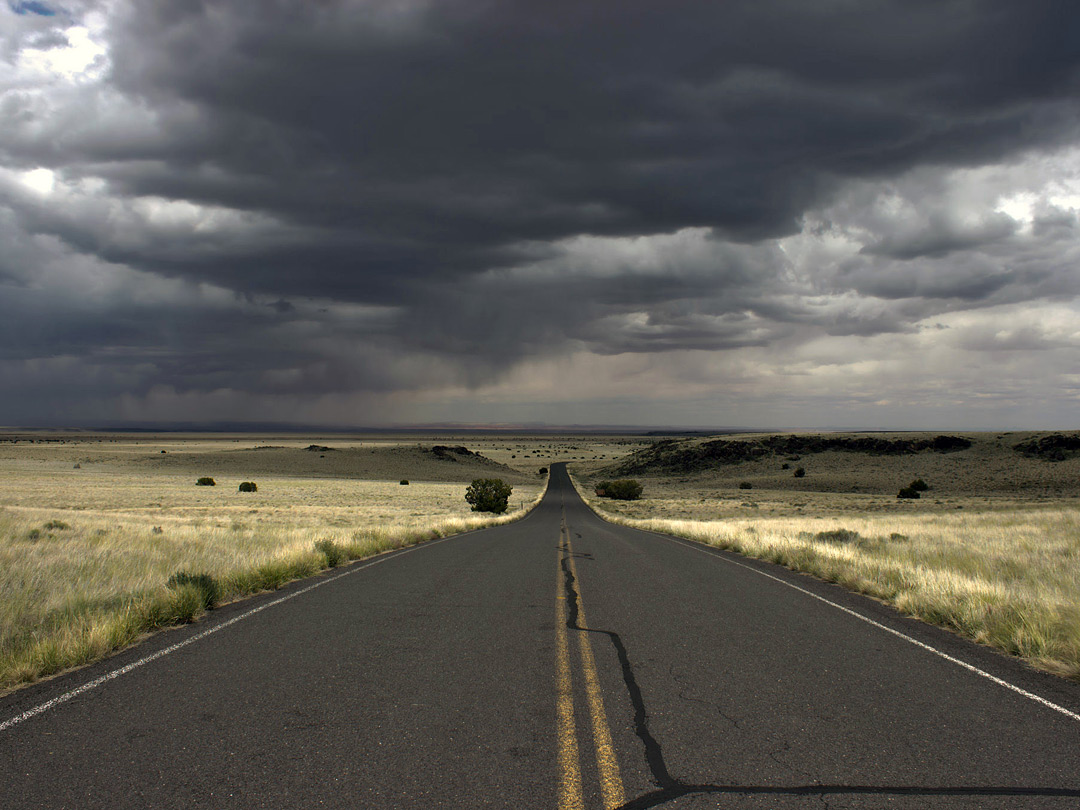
<point>302,201</point>
<point>939,237</point>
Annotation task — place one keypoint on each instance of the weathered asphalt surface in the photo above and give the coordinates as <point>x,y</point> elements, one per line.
<point>429,680</point>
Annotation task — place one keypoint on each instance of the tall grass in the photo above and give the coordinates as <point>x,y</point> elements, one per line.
<point>75,590</point>
<point>1008,579</point>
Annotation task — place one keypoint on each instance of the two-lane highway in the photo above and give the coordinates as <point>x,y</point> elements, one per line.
<point>556,662</point>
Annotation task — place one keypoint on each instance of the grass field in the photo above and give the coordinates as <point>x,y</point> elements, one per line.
<point>1002,572</point>
<point>85,554</point>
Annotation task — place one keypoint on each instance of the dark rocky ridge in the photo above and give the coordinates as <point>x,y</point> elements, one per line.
<point>1054,447</point>
<point>683,456</point>
<point>446,453</point>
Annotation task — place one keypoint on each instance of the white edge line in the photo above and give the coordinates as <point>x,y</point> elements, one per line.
<point>116,673</point>
<point>711,551</point>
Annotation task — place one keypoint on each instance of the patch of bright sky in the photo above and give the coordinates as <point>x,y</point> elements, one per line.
<point>1020,206</point>
<point>83,58</point>
<point>1060,187</point>
<point>40,181</point>
<point>168,214</point>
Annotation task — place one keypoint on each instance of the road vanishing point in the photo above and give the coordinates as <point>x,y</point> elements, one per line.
<point>556,662</point>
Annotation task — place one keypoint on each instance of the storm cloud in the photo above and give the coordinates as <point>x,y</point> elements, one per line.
<point>679,213</point>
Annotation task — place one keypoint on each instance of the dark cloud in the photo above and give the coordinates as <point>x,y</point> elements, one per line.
<point>428,138</point>
<point>329,197</point>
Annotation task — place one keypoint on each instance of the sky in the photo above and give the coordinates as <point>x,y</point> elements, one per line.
<point>760,213</point>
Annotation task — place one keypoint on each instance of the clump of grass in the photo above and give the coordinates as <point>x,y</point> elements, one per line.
<point>273,574</point>
<point>335,554</point>
<point>205,584</point>
<point>188,603</point>
<point>836,536</point>
<point>57,525</point>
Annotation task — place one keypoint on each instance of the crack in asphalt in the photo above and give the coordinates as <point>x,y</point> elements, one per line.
<point>670,787</point>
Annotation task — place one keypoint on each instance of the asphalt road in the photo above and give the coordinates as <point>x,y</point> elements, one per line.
<point>556,662</point>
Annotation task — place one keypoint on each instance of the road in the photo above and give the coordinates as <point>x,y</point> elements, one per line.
<point>556,662</point>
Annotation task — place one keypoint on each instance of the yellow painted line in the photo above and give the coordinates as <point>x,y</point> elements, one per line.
<point>611,785</point>
<point>569,763</point>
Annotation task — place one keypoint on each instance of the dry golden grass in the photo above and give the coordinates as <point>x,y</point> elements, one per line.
<point>85,554</point>
<point>1006,575</point>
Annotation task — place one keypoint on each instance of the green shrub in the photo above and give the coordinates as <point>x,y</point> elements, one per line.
<point>745,485</point>
<point>206,481</point>
<point>624,489</point>
<point>404,482</point>
<point>908,492</point>
<point>799,472</point>
<point>489,495</point>
<point>206,584</point>
<point>335,554</point>
<point>248,486</point>
<point>918,485</point>
<point>56,524</point>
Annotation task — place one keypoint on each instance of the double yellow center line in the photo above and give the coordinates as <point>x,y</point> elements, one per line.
<point>611,786</point>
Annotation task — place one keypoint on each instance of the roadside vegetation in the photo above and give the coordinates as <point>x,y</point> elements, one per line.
<point>624,489</point>
<point>1008,578</point>
<point>489,495</point>
<point>121,555</point>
